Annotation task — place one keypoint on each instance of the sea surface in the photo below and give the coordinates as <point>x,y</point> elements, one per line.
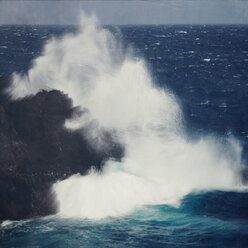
<point>206,67</point>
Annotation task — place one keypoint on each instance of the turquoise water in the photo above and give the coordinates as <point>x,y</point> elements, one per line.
<point>150,226</point>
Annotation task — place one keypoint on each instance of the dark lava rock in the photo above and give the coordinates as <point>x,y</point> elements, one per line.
<point>36,151</point>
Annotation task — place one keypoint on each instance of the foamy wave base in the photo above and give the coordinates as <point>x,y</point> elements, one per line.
<point>162,175</point>
<point>116,93</point>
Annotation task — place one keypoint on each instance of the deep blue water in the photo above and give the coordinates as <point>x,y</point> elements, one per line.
<point>207,68</point>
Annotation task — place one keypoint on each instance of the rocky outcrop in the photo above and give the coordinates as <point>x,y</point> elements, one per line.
<point>36,151</point>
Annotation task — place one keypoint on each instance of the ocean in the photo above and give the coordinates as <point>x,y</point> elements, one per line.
<point>184,191</point>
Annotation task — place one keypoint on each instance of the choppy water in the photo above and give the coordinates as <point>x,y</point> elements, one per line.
<point>207,68</point>
<point>158,226</point>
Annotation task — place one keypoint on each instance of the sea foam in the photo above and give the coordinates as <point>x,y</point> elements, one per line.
<point>116,92</point>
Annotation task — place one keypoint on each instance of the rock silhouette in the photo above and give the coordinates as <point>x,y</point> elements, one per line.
<point>36,151</point>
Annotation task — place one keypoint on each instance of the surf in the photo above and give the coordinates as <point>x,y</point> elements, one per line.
<point>115,92</point>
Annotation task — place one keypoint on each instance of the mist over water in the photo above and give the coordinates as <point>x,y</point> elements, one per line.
<point>116,93</point>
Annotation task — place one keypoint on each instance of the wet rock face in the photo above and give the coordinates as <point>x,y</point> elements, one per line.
<point>36,151</point>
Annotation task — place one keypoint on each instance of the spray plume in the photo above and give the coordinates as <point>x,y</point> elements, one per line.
<point>116,94</point>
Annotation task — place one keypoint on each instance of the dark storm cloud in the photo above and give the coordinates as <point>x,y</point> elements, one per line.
<point>126,12</point>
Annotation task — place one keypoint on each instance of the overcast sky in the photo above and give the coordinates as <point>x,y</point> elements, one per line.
<point>126,12</point>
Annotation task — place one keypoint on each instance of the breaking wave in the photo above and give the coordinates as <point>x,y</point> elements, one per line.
<point>116,93</point>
